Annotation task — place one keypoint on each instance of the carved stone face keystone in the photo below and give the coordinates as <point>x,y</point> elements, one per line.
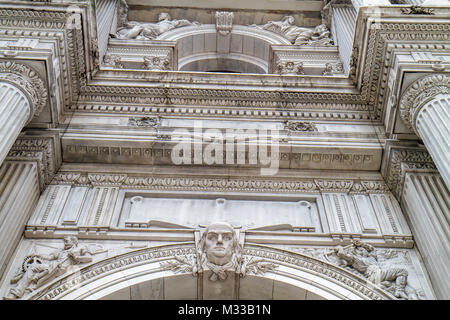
<point>219,242</point>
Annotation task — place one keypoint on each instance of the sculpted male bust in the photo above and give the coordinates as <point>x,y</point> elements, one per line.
<point>220,250</point>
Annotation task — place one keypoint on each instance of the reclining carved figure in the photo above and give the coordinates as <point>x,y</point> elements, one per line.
<point>320,35</point>
<point>149,31</point>
<point>38,269</point>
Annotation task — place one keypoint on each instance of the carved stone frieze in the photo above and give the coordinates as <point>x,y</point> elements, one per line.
<point>152,122</point>
<point>40,269</point>
<point>107,180</point>
<point>319,36</point>
<point>333,68</point>
<point>149,31</point>
<point>290,67</point>
<point>385,268</point>
<point>300,126</point>
<point>419,93</point>
<point>417,10</point>
<point>252,184</point>
<point>334,185</point>
<point>156,63</point>
<point>28,81</point>
<point>113,61</point>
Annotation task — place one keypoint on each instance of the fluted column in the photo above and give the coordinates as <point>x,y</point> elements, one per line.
<point>23,95</point>
<point>367,3</point>
<point>343,29</point>
<point>19,192</point>
<point>106,16</point>
<point>425,201</point>
<point>433,126</point>
<point>425,108</point>
<point>14,113</point>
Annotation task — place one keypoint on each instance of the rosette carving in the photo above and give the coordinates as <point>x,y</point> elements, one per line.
<point>27,80</point>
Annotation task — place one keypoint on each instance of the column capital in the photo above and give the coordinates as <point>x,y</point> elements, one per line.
<point>419,93</point>
<point>28,81</point>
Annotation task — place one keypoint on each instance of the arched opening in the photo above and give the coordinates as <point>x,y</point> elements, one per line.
<point>183,287</point>
<point>244,50</point>
<point>213,62</point>
<point>140,274</point>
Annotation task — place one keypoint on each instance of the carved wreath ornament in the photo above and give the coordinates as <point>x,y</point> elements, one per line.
<point>419,93</point>
<point>28,81</point>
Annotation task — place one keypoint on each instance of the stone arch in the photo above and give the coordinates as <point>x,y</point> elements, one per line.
<point>302,276</point>
<point>245,49</point>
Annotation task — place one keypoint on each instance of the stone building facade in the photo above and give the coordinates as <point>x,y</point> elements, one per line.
<point>224,150</point>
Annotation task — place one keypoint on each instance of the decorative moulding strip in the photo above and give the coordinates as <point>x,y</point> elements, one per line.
<point>204,183</point>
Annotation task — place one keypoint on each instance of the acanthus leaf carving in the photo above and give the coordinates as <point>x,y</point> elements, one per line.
<point>182,264</point>
<point>256,266</point>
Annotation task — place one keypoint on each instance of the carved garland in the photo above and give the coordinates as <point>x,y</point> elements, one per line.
<point>418,94</point>
<point>28,81</point>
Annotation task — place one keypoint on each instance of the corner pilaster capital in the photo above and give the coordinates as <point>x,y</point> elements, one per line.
<point>419,93</point>
<point>401,157</point>
<point>28,81</point>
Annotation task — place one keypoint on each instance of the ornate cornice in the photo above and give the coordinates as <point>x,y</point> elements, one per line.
<point>28,81</point>
<point>419,93</point>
